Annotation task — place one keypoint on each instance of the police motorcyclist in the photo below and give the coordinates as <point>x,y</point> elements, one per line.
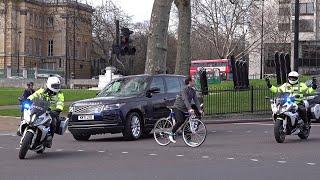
<point>297,88</point>
<point>183,104</point>
<point>53,94</point>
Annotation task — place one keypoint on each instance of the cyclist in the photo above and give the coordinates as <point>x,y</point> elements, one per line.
<point>182,105</point>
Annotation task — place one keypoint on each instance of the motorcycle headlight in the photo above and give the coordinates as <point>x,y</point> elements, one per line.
<point>113,106</point>
<point>38,121</point>
<point>71,109</point>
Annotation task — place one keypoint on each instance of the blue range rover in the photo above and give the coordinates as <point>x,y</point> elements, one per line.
<point>129,105</point>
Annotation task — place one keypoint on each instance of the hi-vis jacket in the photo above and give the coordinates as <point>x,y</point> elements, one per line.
<point>57,101</point>
<point>297,89</point>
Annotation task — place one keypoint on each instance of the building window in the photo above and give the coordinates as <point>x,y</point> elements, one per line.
<point>305,8</point>
<point>304,25</point>
<point>31,19</point>
<point>30,46</point>
<point>78,49</point>
<point>50,48</point>
<point>50,21</point>
<point>85,50</point>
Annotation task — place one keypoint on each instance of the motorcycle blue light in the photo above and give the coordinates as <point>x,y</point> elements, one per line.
<point>26,106</point>
<point>288,100</point>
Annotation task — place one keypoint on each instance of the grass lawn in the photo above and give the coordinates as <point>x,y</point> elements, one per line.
<point>9,96</point>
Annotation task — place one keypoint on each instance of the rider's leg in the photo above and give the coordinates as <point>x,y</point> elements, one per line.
<point>303,113</point>
<point>180,119</point>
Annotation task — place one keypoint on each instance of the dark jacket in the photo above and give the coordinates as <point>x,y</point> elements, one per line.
<point>184,99</point>
<point>27,92</point>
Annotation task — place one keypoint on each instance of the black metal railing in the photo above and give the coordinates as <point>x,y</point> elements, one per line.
<point>223,101</point>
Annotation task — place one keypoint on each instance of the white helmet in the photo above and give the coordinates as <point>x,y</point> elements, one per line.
<point>293,77</point>
<point>54,84</point>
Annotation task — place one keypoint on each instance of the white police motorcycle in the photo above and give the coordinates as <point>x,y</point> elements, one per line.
<point>35,127</point>
<point>286,117</point>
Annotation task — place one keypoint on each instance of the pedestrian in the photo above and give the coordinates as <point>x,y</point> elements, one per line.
<point>26,93</point>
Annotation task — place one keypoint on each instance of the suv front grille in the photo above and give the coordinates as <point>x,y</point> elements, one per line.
<point>87,109</point>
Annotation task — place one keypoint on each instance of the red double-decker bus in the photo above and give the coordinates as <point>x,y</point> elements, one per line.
<point>223,65</point>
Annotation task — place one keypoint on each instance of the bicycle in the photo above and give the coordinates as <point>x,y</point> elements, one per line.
<point>194,131</point>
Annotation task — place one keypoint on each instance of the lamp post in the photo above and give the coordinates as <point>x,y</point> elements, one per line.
<point>296,36</point>
<point>262,34</point>
<point>18,69</point>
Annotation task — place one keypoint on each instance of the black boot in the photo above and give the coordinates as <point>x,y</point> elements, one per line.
<point>48,142</point>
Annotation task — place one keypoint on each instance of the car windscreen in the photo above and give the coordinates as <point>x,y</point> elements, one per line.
<point>125,87</point>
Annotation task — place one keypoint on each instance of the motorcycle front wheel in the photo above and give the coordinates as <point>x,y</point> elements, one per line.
<point>279,133</point>
<point>25,145</point>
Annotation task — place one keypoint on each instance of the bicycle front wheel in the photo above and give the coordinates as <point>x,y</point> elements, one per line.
<point>194,132</point>
<point>161,131</point>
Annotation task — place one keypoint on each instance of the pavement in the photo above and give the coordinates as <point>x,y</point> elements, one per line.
<point>233,151</point>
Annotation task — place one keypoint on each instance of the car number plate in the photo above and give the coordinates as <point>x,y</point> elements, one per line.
<point>86,117</point>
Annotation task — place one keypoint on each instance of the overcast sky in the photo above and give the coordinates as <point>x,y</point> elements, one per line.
<point>140,10</point>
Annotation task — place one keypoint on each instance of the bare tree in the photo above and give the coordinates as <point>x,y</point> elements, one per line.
<point>222,23</point>
<point>184,28</point>
<point>157,41</point>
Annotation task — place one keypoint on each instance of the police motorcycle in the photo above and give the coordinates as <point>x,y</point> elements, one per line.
<point>286,117</point>
<point>35,127</point>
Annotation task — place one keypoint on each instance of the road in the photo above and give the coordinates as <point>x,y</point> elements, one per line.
<point>231,152</point>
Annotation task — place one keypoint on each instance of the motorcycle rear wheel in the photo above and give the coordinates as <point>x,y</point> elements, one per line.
<point>25,145</point>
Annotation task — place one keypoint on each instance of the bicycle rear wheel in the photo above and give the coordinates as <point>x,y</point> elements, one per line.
<point>194,132</point>
<point>161,131</point>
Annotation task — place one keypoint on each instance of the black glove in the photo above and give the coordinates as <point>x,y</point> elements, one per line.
<point>268,83</point>
<point>56,112</point>
<point>314,83</point>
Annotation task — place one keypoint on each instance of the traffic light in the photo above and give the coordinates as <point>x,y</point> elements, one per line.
<point>125,42</point>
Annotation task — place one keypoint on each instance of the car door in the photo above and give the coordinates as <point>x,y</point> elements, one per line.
<point>173,89</point>
<point>157,101</point>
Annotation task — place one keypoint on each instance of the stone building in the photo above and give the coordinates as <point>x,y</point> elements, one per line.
<point>50,36</point>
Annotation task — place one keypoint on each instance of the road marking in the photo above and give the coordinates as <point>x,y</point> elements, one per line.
<point>13,135</point>
<point>255,160</point>
<point>248,131</point>
<point>80,150</point>
<point>266,132</point>
<point>17,148</point>
<point>282,162</point>
<point>101,151</point>
<point>229,131</point>
<point>59,150</point>
<point>205,157</point>
<point>179,155</point>
<point>311,164</point>
<point>263,124</point>
<point>230,158</point>
<point>213,131</point>
<point>153,154</point>
<point>124,152</point>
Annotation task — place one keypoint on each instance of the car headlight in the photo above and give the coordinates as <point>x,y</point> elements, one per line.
<point>113,106</point>
<point>71,109</point>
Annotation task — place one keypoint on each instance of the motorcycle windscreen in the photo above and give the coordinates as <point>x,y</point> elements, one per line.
<point>39,107</point>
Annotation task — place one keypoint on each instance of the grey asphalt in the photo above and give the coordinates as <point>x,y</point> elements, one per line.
<point>231,151</point>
